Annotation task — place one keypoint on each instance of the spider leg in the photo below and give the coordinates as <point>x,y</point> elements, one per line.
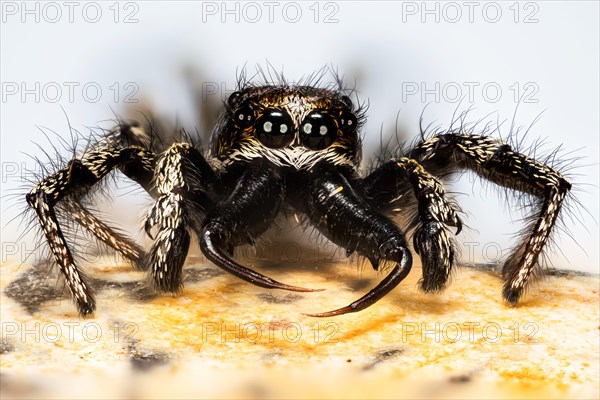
<point>71,183</point>
<point>182,178</point>
<point>238,219</point>
<point>138,169</point>
<point>499,163</point>
<point>108,235</point>
<point>432,239</point>
<point>338,211</point>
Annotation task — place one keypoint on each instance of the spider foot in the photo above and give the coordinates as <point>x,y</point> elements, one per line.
<point>436,247</point>
<point>86,308</point>
<point>517,273</point>
<point>167,256</point>
<point>511,295</point>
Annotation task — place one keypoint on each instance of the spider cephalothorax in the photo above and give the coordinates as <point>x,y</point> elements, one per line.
<point>278,148</point>
<point>295,126</point>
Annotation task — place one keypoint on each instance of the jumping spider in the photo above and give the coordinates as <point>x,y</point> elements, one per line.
<point>281,148</point>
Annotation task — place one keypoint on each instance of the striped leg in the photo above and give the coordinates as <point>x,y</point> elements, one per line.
<point>498,163</point>
<point>432,239</point>
<point>180,178</point>
<point>71,183</point>
<point>108,235</point>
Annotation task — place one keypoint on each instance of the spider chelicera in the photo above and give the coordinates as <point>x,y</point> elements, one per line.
<point>281,148</point>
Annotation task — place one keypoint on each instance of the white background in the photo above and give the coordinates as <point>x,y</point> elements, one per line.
<point>548,51</point>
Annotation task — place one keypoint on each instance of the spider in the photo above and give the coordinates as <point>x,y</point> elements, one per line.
<point>294,148</point>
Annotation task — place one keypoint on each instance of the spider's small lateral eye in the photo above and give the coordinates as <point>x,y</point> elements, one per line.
<point>348,121</point>
<point>233,99</point>
<point>275,128</point>
<point>347,102</point>
<point>318,131</point>
<point>244,117</point>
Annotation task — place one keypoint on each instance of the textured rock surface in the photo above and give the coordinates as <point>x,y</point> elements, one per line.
<point>222,337</point>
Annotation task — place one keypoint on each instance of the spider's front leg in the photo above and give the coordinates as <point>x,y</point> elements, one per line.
<point>388,189</point>
<point>499,163</point>
<point>338,211</point>
<point>187,188</point>
<point>181,179</point>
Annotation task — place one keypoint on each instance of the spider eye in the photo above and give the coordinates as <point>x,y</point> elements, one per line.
<point>347,102</point>
<point>348,122</point>
<point>318,131</point>
<point>275,129</point>
<point>233,99</point>
<point>244,117</point>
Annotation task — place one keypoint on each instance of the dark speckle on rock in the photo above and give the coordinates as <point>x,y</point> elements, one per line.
<point>147,361</point>
<point>257,391</point>
<point>142,292</point>
<point>359,284</point>
<point>567,273</point>
<point>35,286</point>
<point>496,269</point>
<point>135,290</point>
<point>41,283</point>
<point>382,356</point>
<point>270,298</point>
<point>200,274</point>
<point>271,356</point>
<point>144,360</point>
<point>6,347</point>
<point>460,379</point>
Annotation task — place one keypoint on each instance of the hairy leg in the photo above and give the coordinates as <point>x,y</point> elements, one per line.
<point>71,183</point>
<point>499,163</point>
<point>107,234</point>
<point>181,180</point>
<point>389,187</point>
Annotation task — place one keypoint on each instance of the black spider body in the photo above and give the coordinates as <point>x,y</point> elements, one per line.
<point>282,148</point>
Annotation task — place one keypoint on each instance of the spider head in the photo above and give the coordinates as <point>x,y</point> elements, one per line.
<point>294,126</point>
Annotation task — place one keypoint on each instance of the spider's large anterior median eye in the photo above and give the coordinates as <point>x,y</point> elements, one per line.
<point>275,128</point>
<point>318,131</point>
